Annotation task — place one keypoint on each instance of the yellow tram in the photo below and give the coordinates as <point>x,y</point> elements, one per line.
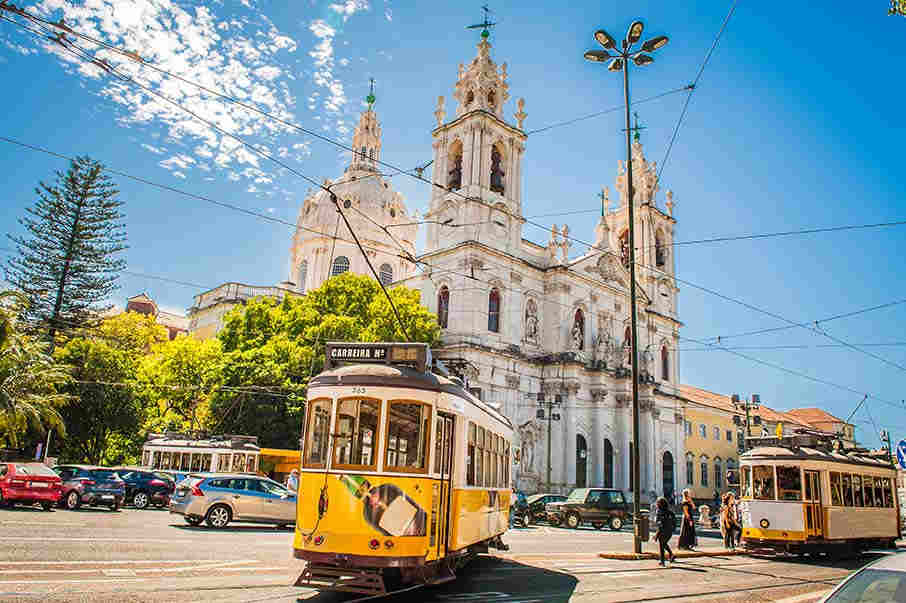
<point>404,475</point>
<point>805,494</point>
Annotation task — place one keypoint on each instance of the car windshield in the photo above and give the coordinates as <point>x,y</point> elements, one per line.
<point>872,586</point>
<point>535,497</point>
<point>274,488</point>
<point>577,495</point>
<point>34,469</point>
<point>126,474</point>
<point>165,476</point>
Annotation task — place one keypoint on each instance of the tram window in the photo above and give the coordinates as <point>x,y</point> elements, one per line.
<point>165,460</point>
<point>479,456</point>
<point>506,464</point>
<point>438,443</point>
<point>745,485</point>
<point>492,454</point>
<point>238,462</point>
<point>356,432</point>
<point>408,427</point>
<point>470,460</point>
<point>836,490</point>
<point>763,480</point>
<point>886,493</point>
<point>316,435</point>
<point>847,490</point>
<point>879,494</point>
<point>789,483</point>
<point>868,486</point>
<point>858,499</point>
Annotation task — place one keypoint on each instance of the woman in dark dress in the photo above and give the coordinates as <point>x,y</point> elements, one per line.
<point>687,538</point>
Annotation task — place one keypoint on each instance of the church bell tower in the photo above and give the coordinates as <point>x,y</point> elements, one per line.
<point>478,159</point>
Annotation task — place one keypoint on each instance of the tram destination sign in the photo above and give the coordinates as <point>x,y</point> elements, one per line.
<point>411,354</point>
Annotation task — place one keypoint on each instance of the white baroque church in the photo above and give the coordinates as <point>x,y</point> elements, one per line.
<point>524,324</point>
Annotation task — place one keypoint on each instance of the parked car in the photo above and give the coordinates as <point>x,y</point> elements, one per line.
<point>89,485</point>
<point>597,506</point>
<point>29,483</point>
<point>217,499</point>
<point>144,488</point>
<point>173,476</point>
<point>536,504</point>
<point>881,581</point>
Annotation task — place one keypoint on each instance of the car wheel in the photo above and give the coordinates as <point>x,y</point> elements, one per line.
<point>218,516</point>
<point>616,523</point>
<point>115,506</point>
<point>73,500</point>
<point>573,521</point>
<point>554,522</point>
<point>47,506</point>
<point>193,521</point>
<point>526,519</point>
<point>140,500</point>
<point>598,525</point>
<point>3,501</point>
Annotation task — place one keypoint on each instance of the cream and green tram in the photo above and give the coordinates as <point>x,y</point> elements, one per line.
<point>405,475</point>
<point>799,495</point>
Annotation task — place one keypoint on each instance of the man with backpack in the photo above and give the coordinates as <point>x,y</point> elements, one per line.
<point>666,525</point>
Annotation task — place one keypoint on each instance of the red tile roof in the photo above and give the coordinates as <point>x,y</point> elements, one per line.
<point>813,415</point>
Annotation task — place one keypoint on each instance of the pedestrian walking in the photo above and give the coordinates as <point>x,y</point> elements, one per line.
<point>736,520</point>
<point>292,481</point>
<point>687,537</point>
<point>728,521</point>
<point>666,524</point>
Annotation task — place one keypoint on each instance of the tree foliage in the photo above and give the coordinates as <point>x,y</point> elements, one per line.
<point>897,7</point>
<point>271,349</point>
<point>30,380</point>
<point>66,263</point>
<point>105,412</point>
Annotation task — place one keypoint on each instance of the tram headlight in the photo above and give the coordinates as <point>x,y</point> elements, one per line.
<point>374,544</point>
<point>388,544</point>
<point>764,523</point>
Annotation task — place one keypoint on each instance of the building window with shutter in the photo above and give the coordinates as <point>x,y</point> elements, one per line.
<point>340,265</point>
<point>443,306</point>
<point>386,273</point>
<point>494,311</point>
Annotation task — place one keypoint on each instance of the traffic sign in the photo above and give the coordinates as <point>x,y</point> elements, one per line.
<point>901,454</point>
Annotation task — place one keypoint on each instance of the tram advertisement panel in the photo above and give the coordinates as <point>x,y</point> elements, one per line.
<point>362,508</point>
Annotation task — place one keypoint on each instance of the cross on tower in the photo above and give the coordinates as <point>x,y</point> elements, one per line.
<point>370,98</point>
<point>636,127</point>
<point>484,25</point>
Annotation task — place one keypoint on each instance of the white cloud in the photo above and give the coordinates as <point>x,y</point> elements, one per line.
<point>349,8</point>
<point>245,57</point>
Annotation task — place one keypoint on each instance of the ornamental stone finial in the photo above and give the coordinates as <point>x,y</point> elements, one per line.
<point>520,115</point>
<point>670,202</point>
<point>439,114</point>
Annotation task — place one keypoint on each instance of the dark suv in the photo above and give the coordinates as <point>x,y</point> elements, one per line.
<point>87,485</point>
<point>536,505</point>
<point>597,506</point>
<point>145,488</point>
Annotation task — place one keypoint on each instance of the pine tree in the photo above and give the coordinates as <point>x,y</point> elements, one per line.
<point>66,263</point>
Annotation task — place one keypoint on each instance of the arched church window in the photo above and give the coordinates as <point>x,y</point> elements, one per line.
<point>624,248</point>
<point>497,174</point>
<point>443,306</point>
<point>494,311</point>
<point>303,274</point>
<point>340,265</point>
<point>386,273</point>
<point>660,251</point>
<point>665,363</point>
<point>578,332</point>
<point>454,175</point>
<point>531,321</point>
<point>364,153</point>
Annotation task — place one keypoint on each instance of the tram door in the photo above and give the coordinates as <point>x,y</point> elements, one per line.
<point>814,515</point>
<point>444,438</point>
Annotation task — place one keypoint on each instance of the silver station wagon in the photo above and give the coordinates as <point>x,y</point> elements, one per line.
<point>218,499</point>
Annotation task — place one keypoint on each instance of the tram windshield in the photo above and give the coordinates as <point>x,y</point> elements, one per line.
<point>408,426</point>
<point>317,433</point>
<point>356,433</point>
<point>789,483</point>
<point>763,482</point>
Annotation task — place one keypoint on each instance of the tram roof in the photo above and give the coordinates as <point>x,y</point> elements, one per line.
<point>788,453</point>
<point>383,375</point>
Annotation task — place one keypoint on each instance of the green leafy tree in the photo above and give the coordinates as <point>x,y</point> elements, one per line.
<point>271,349</point>
<point>105,412</point>
<point>30,380</point>
<point>897,7</point>
<point>66,264</point>
<point>177,381</point>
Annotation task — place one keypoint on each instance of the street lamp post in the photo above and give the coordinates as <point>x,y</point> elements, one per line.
<point>618,60</point>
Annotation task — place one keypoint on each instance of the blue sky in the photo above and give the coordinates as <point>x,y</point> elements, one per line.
<point>795,124</point>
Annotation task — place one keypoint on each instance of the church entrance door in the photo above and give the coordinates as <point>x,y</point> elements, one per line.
<point>581,461</point>
<point>668,476</point>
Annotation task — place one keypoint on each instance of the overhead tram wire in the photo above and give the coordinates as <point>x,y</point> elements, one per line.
<point>134,57</point>
<point>693,86</point>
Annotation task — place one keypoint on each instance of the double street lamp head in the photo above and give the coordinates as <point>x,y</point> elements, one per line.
<point>619,58</point>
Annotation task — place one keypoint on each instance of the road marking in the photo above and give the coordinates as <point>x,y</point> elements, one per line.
<point>43,524</point>
<point>72,581</point>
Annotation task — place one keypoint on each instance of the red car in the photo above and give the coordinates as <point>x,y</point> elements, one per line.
<point>29,483</point>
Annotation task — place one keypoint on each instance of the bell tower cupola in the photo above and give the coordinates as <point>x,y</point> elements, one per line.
<point>366,140</point>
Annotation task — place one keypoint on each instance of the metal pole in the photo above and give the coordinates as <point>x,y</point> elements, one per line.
<point>548,407</point>
<point>636,486</point>
<point>748,434</point>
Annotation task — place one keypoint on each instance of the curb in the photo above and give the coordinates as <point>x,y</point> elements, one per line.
<point>679,554</point>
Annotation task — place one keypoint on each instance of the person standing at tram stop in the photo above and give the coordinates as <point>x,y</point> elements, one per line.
<point>729,522</point>
<point>666,524</point>
<point>292,480</point>
<point>687,538</point>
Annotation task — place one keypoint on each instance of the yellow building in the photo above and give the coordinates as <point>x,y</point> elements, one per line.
<point>712,446</point>
<point>209,308</point>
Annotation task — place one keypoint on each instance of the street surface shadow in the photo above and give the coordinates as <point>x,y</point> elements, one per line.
<point>26,509</point>
<point>525,583</point>
<point>245,529</point>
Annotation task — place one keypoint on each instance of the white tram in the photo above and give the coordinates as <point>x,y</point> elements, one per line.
<point>801,494</point>
<point>220,454</point>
